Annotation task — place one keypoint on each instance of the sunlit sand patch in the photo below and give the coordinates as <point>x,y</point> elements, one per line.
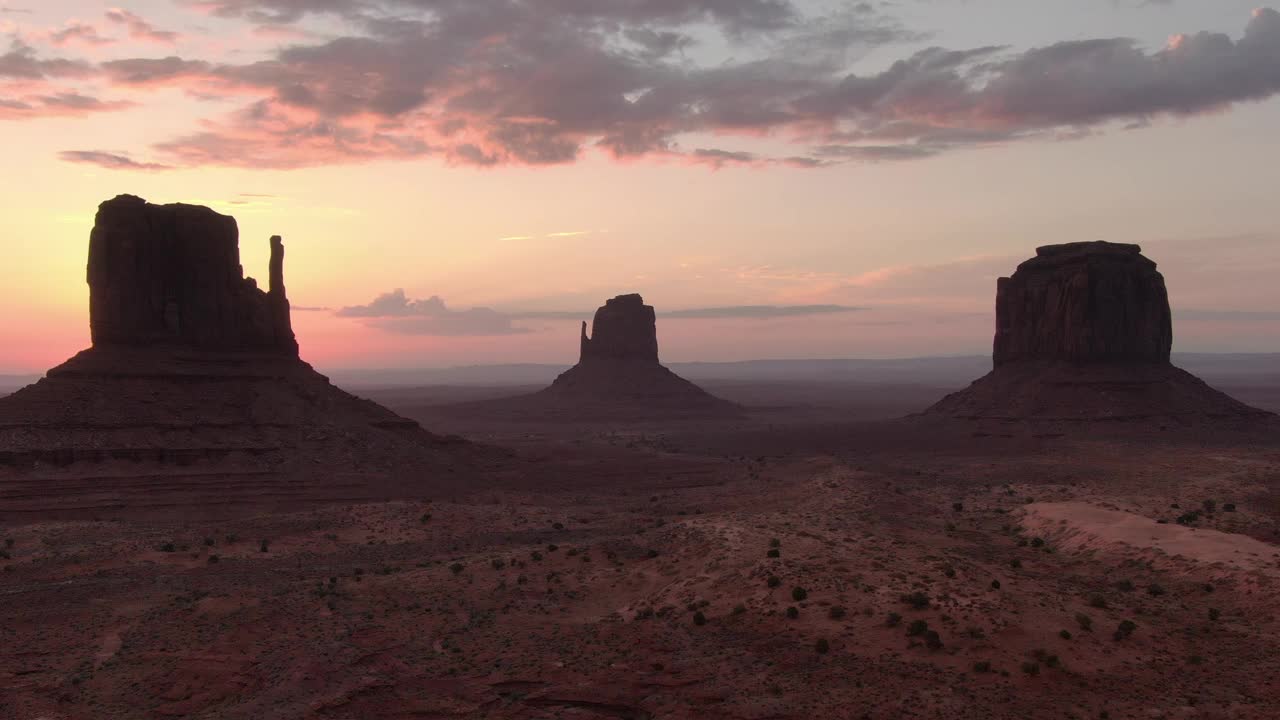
<point>1081,526</point>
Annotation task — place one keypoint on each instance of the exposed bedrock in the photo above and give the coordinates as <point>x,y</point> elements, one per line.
<point>171,274</point>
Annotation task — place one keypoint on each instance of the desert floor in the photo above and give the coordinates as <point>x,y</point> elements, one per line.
<point>814,560</point>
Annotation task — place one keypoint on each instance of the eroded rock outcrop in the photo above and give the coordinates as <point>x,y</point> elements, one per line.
<point>193,397</point>
<point>619,374</point>
<point>1084,303</point>
<point>623,330</point>
<point>172,274</point>
<point>1084,333</point>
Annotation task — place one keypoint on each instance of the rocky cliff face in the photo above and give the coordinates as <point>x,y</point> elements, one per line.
<point>625,329</point>
<point>171,274</point>
<point>1084,303</point>
<point>1083,333</point>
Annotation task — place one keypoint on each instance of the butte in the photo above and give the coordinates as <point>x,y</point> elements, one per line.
<point>193,394</point>
<point>618,376</point>
<point>1083,334</point>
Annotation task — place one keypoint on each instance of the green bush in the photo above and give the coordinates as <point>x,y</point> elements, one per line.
<point>933,640</point>
<point>799,594</point>
<point>455,568</point>
<point>1084,621</point>
<point>836,612</point>
<point>773,553</point>
<point>699,619</point>
<point>793,612</point>
<point>917,627</point>
<point>1064,634</point>
<point>773,581</point>
<point>822,646</point>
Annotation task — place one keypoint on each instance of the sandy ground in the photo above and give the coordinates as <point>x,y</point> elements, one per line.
<point>789,566</point>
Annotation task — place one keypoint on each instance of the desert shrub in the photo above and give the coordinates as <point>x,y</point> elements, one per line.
<point>949,571</point>
<point>572,552</point>
<point>836,612</point>
<point>822,647</point>
<point>553,547</point>
<point>208,542</point>
<point>536,556</point>
<point>1155,590</point>
<point>1125,586</point>
<point>917,600</point>
<point>1022,542</point>
<point>995,584</point>
<point>699,619</point>
<point>8,542</point>
<point>958,507</point>
<point>1214,614</point>
<point>793,612</point>
<point>1031,668</point>
<point>426,518</point>
<point>773,581</point>
<point>1125,629</point>
<point>739,609</point>
<point>1064,634</point>
<point>1228,507</point>
<point>917,627</point>
<point>1195,660</point>
<point>557,526</point>
<point>775,543</point>
<point>167,547</point>
<point>1098,601</point>
<point>1084,621</point>
<point>213,559</point>
<point>264,546</point>
<point>982,666</point>
<point>1037,542</point>
<point>651,554</point>
<point>499,563</point>
<point>799,594</point>
<point>1015,563</point>
<point>893,619</point>
<point>773,553</point>
<point>455,568</point>
<point>1210,506</point>
<point>932,640</point>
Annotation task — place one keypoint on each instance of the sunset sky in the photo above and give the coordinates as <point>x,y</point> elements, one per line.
<point>463,181</point>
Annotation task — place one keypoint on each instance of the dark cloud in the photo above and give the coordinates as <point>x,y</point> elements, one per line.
<point>395,312</point>
<point>491,82</point>
<point>22,63</point>
<point>109,160</point>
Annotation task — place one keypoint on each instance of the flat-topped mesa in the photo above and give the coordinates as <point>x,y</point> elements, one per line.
<point>624,330</point>
<point>171,275</point>
<point>1082,303</point>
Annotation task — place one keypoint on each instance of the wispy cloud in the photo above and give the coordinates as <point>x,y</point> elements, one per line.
<point>109,160</point>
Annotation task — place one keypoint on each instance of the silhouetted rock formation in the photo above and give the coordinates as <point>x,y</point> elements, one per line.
<point>1084,332</point>
<point>193,395</point>
<point>172,274</point>
<point>624,330</point>
<point>1082,303</point>
<point>618,376</point>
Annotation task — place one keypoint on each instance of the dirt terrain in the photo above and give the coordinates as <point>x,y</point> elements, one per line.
<point>781,566</point>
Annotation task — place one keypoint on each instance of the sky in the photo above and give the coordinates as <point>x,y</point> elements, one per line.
<point>463,181</point>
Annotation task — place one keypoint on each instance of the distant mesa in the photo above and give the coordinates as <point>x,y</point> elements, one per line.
<point>193,394</point>
<point>1083,333</point>
<point>618,377</point>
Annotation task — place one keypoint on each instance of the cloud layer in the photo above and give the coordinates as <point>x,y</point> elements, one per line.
<point>493,82</point>
<point>396,312</point>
